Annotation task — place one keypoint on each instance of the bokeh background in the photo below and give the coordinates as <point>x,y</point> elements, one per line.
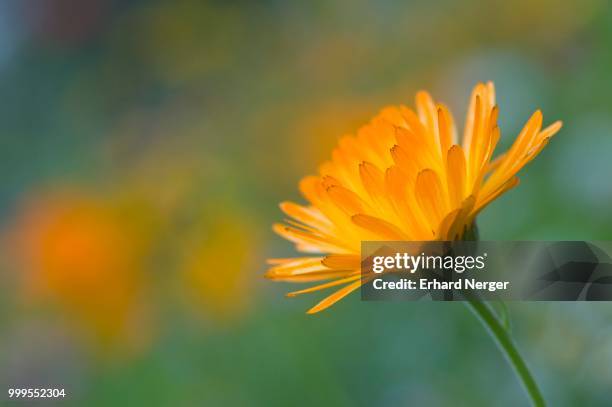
<point>145,145</point>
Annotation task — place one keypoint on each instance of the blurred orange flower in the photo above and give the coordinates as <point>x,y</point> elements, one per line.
<point>85,255</point>
<point>215,267</point>
<point>403,177</point>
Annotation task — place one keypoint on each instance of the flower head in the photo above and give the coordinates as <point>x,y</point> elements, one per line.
<point>404,176</point>
<point>84,255</point>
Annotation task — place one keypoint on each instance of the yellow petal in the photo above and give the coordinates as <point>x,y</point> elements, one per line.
<point>345,199</point>
<point>325,285</point>
<point>427,111</point>
<point>455,175</point>
<point>305,241</point>
<point>314,276</point>
<point>431,197</point>
<point>447,130</point>
<point>524,140</point>
<point>310,216</point>
<point>311,189</point>
<point>485,200</point>
<point>373,180</point>
<point>342,261</point>
<point>303,269</point>
<point>335,297</point>
<point>413,221</point>
<point>382,228</point>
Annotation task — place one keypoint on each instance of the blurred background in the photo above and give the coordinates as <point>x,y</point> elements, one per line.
<point>145,145</point>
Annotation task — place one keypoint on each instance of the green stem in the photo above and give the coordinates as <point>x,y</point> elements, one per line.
<point>492,324</point>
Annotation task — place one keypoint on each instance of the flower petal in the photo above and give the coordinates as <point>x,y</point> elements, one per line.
<point>335,297</point>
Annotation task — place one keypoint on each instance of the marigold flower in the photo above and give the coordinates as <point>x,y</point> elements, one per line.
<point>84,255</point>
<point>404,176</point>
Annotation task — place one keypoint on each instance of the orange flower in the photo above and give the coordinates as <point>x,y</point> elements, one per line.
<point>84,256</point>
<point>403,177</point>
